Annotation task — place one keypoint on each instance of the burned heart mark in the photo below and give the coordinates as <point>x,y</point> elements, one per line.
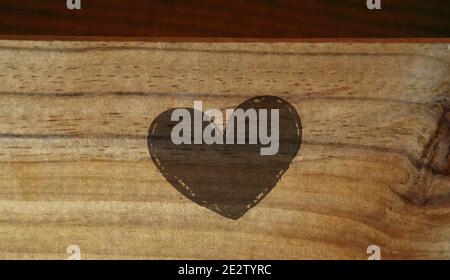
<point>227,178</point>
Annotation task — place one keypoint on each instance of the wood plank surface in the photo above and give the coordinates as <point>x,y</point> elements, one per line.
<point>373,167</point>
<point>227,19</point>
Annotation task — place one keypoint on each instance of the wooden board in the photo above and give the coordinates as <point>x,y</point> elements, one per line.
<point>372,168</point>
<point>218,19</point>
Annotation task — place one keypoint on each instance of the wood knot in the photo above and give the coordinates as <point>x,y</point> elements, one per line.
<point>436,155</point>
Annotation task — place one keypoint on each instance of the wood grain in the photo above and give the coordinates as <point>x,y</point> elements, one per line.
<point>227,19</point>
<point>372,168</point>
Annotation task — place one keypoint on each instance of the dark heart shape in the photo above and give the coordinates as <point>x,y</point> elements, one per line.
<point>226,178</point>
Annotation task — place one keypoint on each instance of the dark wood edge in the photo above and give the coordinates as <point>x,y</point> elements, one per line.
<point>223,39</point>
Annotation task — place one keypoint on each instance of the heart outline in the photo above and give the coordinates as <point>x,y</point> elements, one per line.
<point>166,158</point>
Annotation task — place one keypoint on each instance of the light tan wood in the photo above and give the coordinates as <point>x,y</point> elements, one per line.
<point>372,168</point>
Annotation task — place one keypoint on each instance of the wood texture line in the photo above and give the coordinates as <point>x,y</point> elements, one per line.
<point>373,167</point>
